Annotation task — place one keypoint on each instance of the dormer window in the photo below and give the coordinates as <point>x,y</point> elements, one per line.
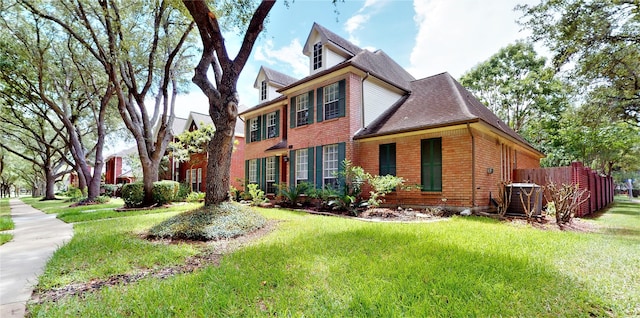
<point>317,56</point>
<point>263,90</point>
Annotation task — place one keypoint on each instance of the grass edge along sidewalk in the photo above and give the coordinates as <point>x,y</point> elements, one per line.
<point>319,266</point>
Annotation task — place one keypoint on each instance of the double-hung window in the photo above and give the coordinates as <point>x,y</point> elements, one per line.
<point>253,129</point>
<point>199,180</point>
<point>270,174</point>
<point>302,165</point>
<point>194,180</point>
<point>263,90</point>
<point>330,165</point>
<point>272,130</point>
<point>431,164</point>
<point>331,97</point>
<point>253,171</point>
<point>302,109</point>
<point>317,56</point>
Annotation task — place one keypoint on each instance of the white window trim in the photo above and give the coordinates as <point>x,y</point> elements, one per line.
<point>300,105</point>
<point>329,162</point>
<point>253,171</point>
<point>302,164</point>
<point>271,122</point>
<point>332,90</point>
<point>318,53</point>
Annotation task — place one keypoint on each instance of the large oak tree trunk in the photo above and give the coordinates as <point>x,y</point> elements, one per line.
<point>222,92</point>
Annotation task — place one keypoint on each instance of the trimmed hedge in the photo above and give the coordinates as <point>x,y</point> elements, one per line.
<point>133,194</point>
<point>165,191</point>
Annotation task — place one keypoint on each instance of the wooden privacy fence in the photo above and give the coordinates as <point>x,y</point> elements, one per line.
<point>600,188</point>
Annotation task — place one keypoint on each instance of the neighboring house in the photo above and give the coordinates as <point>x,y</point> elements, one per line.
<point>191,172</point>
<point>194,171</point>
<point>117,168</point>
<point>362,106</point>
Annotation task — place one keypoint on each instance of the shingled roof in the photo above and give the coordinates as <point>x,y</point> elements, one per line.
<point>435,101</point>
<point>336,39</point>
<point>276,77</point>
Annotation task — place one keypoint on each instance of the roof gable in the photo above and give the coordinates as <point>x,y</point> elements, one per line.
<point>328,37</point>
<point>198,119</point>
<point>273,77</point>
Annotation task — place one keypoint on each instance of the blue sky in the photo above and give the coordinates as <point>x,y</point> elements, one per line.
<point>426,37</point>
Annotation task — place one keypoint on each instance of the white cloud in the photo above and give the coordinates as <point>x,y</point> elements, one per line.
<point>454,36</point>
<point>355,22</point>
<point>290,55</point>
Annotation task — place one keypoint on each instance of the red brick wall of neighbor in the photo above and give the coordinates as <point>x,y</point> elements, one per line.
<point>237,164</point>
<point>113,169</point>
<point>200,161</point>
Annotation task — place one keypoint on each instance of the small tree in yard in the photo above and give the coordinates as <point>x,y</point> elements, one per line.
<point>567,198</point>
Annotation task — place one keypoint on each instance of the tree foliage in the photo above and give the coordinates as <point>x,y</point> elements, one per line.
<point>139,46</point>
<point>517,86</point>
<point>598,42</point>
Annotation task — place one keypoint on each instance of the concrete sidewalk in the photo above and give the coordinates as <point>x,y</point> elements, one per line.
<point>36,236</point>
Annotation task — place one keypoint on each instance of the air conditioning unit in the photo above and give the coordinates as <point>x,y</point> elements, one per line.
<point>531,195</point>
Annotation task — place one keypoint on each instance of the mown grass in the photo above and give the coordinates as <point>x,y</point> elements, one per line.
<point>6,223</point>
<point>99,211</point>
<point>324,266</point>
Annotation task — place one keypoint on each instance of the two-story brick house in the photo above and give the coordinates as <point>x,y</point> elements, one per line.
<point>363,106</point>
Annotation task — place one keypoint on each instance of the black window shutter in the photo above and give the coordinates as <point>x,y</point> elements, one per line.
<point>310,121</point>
<point>319,167</point>
<point>263,127</point>
<point>292,112</point>
<point>263,174</point>
<point>320,115</point>
<point>277,123</point>
<point>246,173</point>
<point>292,168</point>
<point>247,131</point>
<point>310,165</point>
<point>342,91</point>
<point>342,154</point>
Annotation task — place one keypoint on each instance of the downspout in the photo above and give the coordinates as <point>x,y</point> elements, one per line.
<point>473,167</point>
<point>362,98</point>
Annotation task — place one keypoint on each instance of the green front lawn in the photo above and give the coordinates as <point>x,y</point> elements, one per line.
<point>328,266</point>
<point>99,211</point>
<point>6,223</point>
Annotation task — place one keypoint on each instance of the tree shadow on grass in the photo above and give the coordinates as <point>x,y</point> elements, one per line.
<point>364,273</point>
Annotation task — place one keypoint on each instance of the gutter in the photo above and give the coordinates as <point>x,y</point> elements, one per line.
<point>362,98</point>
<point>473,167</point>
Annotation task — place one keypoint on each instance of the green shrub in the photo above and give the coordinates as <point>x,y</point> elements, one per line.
<point>133,194</point>
<point>257,195</point>
<point>293,194</point>
<point>74,194</point>
<point>183,192</point>
<point>109,190</point>
<point>223,221</point>
<point>195,197</point>
<point>381,186</point>
<point>165,191</point>
<point>102,199</point>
